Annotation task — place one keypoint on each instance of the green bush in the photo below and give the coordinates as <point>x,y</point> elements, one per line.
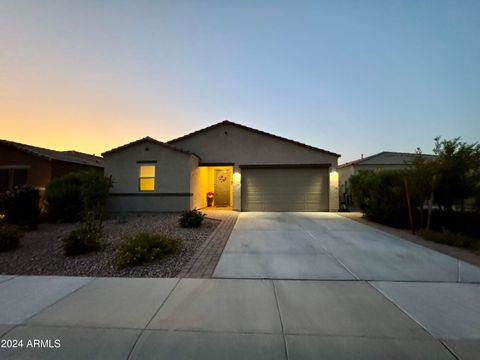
<point>450,238</point>
<point>82,241</point>
<point>95,189</point>
<point>381,196</point>
<point>92,188</point>
<point>63,197</point>
<point>144,247</point>
<point>71,197</point>
<point>9,237</point>
<point>191,218</point>
<point>21,206</point>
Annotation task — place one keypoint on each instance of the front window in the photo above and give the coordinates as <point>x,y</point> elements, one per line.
<point>11,177</point>
<point>146,181</point>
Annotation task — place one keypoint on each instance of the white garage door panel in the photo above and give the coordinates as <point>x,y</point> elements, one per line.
<point>299,189</point>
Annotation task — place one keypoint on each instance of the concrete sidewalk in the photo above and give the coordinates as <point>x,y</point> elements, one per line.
<point>138,318</point>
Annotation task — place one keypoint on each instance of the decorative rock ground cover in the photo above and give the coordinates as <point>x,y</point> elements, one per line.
<point>41,251</point>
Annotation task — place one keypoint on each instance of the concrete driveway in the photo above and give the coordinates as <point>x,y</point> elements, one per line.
<point>327,246</point>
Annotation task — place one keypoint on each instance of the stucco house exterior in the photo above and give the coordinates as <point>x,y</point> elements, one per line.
<point>246,169</point>
<point>22,164</point>
<point>385,160</point>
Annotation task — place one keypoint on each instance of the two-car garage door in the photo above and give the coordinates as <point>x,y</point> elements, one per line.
<point>285,189</point>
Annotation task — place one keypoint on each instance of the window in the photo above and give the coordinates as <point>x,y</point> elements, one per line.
<point>11,177</point>
<point>146,181</point>
<point>19,177</point>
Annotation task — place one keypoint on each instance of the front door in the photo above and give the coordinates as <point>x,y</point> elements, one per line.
<point>222,188</point>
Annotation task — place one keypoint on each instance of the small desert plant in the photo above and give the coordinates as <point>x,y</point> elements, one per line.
<point>9,237</point>
<point>81,241</point>
<point>144,247</point>
<point>21,206</point>
<point>191,218</point>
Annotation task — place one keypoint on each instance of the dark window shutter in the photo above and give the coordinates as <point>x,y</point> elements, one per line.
<point>19,177</point>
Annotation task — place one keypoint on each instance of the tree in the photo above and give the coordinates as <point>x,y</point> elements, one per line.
<point>422,177</point>
<point>457,172</point>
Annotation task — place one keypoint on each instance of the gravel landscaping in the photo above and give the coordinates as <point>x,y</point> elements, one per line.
<point>41,251</point>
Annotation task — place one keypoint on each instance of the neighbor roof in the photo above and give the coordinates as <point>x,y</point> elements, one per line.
<point>150,140</point>
<point>227,122</point>
<point>386,158</point>
<point>68,156</point>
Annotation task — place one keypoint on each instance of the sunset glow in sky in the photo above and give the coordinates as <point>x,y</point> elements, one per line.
<point>351,77</point>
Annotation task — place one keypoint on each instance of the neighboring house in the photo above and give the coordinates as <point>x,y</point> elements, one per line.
<point>386,160</point>
<point>247,169</point>
<point>25,164</point>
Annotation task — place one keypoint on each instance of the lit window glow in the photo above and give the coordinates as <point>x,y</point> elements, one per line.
<point>147,178</point>
<point>147,171</point>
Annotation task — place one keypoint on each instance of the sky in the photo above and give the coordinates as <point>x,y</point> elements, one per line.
<point>353,77</point>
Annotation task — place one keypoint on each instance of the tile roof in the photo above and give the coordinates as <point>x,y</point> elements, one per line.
<point>68,156</point>
<point>386,158</point>
<point>150,140</point>
<point>227,122</point>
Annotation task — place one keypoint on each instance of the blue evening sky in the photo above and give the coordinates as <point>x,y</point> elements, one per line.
<point>352,77</point>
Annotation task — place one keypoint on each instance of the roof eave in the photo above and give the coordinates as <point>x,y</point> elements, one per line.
<point>152,141</point>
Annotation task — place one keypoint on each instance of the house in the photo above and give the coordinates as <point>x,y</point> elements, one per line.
<point>246,169</point>
<point>25,164</point>
<point>385,160</point>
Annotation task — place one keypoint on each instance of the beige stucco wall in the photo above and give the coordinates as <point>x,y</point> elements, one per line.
<point>244,147</point>
<point>230,144</point>
<point>379,167</point>
<point>237,188</point>
<point>173,175</point>
<point>148,203</point>
<point>344,174</point>
<point>198,185</point>
<point>333,199</point>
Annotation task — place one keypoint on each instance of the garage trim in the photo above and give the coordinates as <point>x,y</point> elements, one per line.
<point>285,166</point>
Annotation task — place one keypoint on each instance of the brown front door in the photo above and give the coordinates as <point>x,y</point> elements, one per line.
<point>222,188</point>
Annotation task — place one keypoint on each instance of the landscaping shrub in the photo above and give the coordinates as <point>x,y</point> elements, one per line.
<point>63,197</point>
<point>9,237</point>
<point>81,241</point>
<point>95,189</point>
<point>144,247</point>
<point>450,238</point>
<point>381,196</point>
<point>21,206</point>
<point>466,223</point>
<point>191,218</point>
<point>70,197</point>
